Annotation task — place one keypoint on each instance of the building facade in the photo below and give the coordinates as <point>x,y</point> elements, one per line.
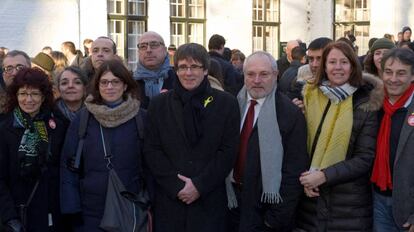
<point>248,25</point>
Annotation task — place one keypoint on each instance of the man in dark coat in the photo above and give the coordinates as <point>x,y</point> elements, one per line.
<point>154,73</point>
<point>284,62</point>
<point>265,181</point>
<point>287,84</point>
<point>190,146</point>
<point>392,172</point>
<point>231,78</point>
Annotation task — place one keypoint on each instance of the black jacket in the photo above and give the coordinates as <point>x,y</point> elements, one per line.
<point>287,83</point>
<point>168,152</point>
<point>14,190</point>
<point>280,216</point>
<point>345,202</point>
<point>232,80</point>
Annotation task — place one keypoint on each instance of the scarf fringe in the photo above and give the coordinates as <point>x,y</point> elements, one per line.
<point>271,198</point>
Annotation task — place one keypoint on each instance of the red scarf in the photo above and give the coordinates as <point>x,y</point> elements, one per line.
<point>381,174</point>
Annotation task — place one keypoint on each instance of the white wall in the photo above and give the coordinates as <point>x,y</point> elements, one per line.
<point>293,20</point>
<point>321,19</point>
<point>93,20</point>
<point>159,18</point>
<point>232,20</point>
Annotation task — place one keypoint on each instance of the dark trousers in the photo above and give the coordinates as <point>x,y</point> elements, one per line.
<point>250,220</point>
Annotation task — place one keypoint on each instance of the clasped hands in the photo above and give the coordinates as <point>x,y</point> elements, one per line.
<point>189,193</point>
<point>311,180</point>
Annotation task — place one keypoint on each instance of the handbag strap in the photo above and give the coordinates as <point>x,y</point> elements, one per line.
<point>107,149</point>
<point>318,131</point>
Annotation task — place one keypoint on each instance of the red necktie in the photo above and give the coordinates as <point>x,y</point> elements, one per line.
<point>244,140</point>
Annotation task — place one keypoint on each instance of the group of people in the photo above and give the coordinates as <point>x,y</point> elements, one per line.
<point>215,155</point>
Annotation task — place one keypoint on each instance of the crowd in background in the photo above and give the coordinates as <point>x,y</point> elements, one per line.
<point>318,140</point>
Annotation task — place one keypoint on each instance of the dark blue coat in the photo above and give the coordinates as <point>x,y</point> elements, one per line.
<point>86,192</point>
<point>14,190</point>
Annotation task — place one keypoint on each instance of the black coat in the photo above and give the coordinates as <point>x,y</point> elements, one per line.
<point>232,79</point>
<point>14,190</point>
<point>287,83</point>
<point>280,216</point>
<point>168,152</point>
<point>282,65</point>
<point>345,202</point>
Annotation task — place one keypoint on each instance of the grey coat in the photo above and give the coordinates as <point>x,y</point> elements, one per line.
<point>403,177</point>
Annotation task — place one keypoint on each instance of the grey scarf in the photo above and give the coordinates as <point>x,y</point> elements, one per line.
<point>113,117</point>
<point>271,150</point>
<point>337,94</point>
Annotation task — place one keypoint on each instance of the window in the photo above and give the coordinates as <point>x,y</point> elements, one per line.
<point>187,21</point>
<point>126,23</point>
<point>266,26</point>
<point>353,17</point>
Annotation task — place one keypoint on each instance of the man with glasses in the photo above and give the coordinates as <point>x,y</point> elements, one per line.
<point>153,73</point>
<point>191,142</point>
<point>264,189</point>
<point>13,62</point>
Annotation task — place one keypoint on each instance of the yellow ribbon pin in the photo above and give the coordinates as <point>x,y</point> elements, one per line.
<point>207,101</point>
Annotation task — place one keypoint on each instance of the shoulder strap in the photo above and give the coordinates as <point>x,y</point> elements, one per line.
<point>318,131</point>
<point>84,117</point>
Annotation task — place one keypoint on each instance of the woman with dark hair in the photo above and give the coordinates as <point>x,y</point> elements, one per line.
<point>72,84</point>
<point>340,110</point>
<point>113,107</point>
<point>372,62</point>
<point>31,139</point>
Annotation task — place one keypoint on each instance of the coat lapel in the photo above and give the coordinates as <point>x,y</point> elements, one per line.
<point>406,131</point>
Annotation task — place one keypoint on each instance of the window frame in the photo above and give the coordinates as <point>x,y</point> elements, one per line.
<point>126,18</point>
<point>187,21</point>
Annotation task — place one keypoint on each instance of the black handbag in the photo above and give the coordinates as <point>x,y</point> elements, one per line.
<point>124,211</point>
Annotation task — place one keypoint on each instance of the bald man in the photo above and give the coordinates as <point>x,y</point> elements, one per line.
<point>284,62</point>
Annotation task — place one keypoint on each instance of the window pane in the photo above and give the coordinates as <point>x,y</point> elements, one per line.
<point>136,7</point>
<point>272,13</point>
<point>177,33</point>
<point>257,38</point>
<point>196,8</point>
<point>258,10</point>
<point>196,33</point>
<point>177,8</point>
<point>272,40</point>
<point>116,33</point>
<point>135,30</point>
<point>115,6</point>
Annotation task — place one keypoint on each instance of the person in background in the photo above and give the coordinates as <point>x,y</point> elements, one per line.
<point>61,62</point>
<point>284,62</point>
<point>362,58</point>
<point>87,47</point>
<point>72,84</point>
<point>154,73</point>
<point>190,145</point>
<point>230,76</point>
<point>372,63</point>
<point>342,132</point>
<point>171,51</point>
<point>288,83</point>
<point>237,60</point>
<point>112,105</point>
<point>47,50</point>
<point>264,189</point>
<point>74,59</point>
<point>392,175</point>
<point>406,34</point>
<point>13,62</point>
<point>32,137</point>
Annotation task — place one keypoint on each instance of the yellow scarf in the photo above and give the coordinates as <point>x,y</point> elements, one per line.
<point>333,141</point>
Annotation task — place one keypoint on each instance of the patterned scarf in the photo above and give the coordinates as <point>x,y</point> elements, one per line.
<point>34,145</point>
<point>154,79</point>
<point>332,144</point>
<point>381,173</point>
<point>337,94</point>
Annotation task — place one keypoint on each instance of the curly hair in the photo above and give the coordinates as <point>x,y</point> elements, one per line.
<point>32,78</point>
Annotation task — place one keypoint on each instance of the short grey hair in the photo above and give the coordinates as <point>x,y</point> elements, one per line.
<point>271,59</point>
<point>14,53</point>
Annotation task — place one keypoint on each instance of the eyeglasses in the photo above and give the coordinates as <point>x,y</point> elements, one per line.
<point>152,44</point>
<point>34,95</point>
<point>192,68</point>
<point>114,83</point>
<point>10,68</point>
